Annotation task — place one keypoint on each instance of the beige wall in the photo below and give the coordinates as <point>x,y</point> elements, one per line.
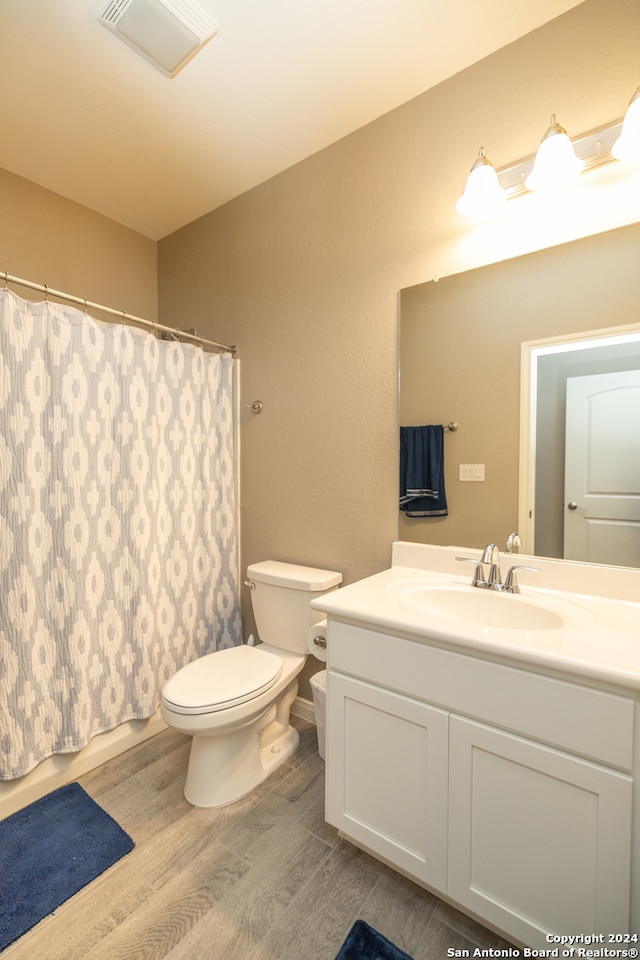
<point>304,273</point>
<point>48,239</point>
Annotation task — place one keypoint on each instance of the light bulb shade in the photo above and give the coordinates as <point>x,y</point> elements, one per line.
<point>556,163</point>
<point>483,194</point>
<point>627,146</point>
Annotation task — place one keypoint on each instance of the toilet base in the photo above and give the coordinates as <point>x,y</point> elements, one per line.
<point>223,768</point>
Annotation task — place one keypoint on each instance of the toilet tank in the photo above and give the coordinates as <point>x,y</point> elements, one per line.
<point>280,596</point>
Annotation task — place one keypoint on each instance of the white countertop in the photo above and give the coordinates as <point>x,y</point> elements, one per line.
<point>600,637</point>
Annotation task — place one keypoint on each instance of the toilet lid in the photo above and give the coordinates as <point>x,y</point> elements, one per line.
<point>222,679</point>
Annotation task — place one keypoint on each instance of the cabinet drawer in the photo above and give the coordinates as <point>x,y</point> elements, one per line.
<point>580,719</point>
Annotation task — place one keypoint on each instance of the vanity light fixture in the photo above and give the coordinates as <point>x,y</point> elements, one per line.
<point>558,160</point>
<point>627,146</point>
<point>556,163</point>
<point>482,193</point>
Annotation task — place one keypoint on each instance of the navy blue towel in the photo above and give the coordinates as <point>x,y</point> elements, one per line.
<point>422,491</point>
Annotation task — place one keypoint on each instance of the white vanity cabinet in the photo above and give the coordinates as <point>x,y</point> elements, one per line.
<point>507,791</point>
<point>388,776</point>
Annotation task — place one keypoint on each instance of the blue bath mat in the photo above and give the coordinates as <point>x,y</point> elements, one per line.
<point>365,943</point>
<point>49,851</point>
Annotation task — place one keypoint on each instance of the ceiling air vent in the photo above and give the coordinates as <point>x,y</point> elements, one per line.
<point>167,33</point>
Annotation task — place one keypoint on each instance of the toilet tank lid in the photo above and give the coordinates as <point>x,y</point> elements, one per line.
<point>293,575</point>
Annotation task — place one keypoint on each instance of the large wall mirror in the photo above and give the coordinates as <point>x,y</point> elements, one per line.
<point>511,351</point>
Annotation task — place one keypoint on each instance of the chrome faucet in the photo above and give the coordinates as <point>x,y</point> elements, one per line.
<point>491,556</point>
<point>513,543</point>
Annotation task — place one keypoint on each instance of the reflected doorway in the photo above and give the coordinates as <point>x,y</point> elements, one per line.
<point>602,469</point>
<point>546,368</point>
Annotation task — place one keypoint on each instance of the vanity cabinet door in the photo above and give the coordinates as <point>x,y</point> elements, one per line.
<point>387,776</point>
<point>539,841</point>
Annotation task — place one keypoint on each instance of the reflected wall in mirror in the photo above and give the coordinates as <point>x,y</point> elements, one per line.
<point>460,354</point>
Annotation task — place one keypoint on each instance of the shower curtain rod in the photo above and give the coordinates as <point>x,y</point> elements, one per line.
<point>122,314</point>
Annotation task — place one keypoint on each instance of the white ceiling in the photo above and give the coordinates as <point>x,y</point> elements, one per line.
<point>83,115</point>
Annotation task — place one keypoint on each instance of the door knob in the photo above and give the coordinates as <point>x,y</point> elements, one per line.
<point>573,505</point>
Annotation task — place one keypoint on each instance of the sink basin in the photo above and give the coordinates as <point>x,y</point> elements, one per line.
<point>489,608</point>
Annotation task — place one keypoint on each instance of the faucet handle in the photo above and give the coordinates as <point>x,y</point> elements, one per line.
<point>478,580</point>
<point>511,583</point>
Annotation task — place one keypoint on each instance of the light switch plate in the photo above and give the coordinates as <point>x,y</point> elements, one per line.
<point>471,471</point>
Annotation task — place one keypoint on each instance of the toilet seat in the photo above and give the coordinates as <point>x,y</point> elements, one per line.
<point>221,680</point>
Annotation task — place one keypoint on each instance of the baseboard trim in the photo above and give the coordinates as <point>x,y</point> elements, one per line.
<point>63,768</point>
<point>304,709</point>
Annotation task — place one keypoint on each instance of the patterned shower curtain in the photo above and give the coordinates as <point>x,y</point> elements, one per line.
<point>118,540</point>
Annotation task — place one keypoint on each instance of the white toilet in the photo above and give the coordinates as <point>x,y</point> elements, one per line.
<point>235,703</point>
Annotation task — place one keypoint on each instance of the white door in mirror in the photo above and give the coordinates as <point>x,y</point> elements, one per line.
<point>602,469</point>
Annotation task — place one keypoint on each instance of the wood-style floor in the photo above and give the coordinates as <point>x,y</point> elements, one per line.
<point>262,879</point>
